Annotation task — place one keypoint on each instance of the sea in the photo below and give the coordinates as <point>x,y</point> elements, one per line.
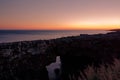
<point>28,35</point>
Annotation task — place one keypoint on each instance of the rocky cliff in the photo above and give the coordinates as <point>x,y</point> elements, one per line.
<point>27,60</point>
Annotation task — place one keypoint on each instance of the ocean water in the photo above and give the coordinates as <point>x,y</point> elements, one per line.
<point>27,35</point>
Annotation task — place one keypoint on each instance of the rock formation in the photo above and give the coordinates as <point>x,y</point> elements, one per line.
<point>27,60</point>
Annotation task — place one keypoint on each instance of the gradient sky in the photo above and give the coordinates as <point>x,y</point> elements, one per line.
<point>59,14</point>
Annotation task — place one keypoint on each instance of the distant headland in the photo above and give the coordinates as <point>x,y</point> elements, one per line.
<point>114,30</point>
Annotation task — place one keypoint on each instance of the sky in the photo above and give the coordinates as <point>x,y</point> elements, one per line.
<point>59,14</point>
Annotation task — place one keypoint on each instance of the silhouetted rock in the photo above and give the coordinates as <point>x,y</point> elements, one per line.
<point>27,60</point>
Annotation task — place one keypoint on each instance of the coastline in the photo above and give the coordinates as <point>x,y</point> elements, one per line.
<point>18,36</point>
<point>33,56</point>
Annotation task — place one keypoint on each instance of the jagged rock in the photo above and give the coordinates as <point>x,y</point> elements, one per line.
<point>27,60</point>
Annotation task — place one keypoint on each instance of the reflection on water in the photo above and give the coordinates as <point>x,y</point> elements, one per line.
<point>54,68</point>
<point>100,66</point>
<point>84,68</point>
<point>22,35</point>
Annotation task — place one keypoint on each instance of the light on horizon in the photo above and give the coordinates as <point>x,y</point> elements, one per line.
<point>59,14</point>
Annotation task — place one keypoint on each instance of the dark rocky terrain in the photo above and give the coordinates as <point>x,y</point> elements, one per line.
<point>27,60</point>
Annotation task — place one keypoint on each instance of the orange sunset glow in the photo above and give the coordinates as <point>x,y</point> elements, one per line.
<point>59,15</point>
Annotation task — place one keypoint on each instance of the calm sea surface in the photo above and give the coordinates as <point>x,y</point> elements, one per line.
<point>27,35</point>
